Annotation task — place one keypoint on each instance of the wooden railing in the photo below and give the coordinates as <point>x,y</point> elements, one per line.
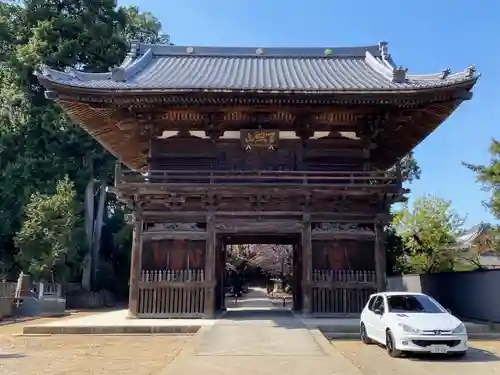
<point>221,177</point>
<point>172,294</point>
<point>341,291</point>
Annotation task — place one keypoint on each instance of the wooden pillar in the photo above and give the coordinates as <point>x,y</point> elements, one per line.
<point>210,267</point>
<point>306,264</point>
<point>380,257</point>
<point>135,266</point>
<point>223,255</point>
<point>297,278</point>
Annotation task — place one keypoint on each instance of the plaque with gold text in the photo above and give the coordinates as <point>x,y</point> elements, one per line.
<point>259,138</point>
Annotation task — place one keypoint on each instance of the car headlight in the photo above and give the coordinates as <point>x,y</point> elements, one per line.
<point>408,329</point>
<point>460,329</point>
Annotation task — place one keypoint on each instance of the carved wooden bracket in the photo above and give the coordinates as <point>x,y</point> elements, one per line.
<point>148,127</point>
<point>173,202</point>
<point>306,201</point>
<point>210,201</point>
<point>259,201</point>
<point>212,127</point>
<point>259,118</point>
<point>303,128</point>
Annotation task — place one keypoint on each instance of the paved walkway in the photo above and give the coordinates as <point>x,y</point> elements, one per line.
<point>259,338</point>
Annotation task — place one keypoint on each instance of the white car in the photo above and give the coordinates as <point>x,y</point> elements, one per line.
<point>411,322</point>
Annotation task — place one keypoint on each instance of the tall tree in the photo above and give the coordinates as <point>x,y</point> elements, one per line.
<point>39,145</point>
<point>143,27</point>
<point>489,177</point>
<point>395,247</point>
<point>429,230</point>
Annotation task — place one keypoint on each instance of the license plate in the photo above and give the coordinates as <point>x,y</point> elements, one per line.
<point>439,349</point>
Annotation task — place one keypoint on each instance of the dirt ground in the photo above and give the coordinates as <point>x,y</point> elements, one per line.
<point>85,354</point>
<point>483,358</point>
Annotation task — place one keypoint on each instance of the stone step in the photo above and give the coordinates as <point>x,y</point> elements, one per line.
<point>109,330</point>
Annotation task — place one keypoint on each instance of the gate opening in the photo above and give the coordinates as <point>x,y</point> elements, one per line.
<point>259,273</point>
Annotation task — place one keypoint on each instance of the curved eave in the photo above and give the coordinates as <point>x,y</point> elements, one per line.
<point>112,130</point>
<point>395,143</point>
<point>59,87</point>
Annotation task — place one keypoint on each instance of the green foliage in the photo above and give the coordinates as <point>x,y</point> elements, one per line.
<point>395,251</point>
<point>410,170</point>
<point>428,231</point>
<point>143,27</point>
<point>39,145</point>
<point>46,240</point>
<point>489,177</point>
<point>395,247</point>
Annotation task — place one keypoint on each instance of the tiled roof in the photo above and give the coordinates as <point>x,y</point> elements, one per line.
<point>320,70</point>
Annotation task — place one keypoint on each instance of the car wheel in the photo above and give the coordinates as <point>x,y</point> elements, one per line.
<point>364,336</point>
<point>390,345</point>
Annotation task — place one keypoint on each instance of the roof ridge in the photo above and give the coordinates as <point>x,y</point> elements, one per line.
<point>170,50</point>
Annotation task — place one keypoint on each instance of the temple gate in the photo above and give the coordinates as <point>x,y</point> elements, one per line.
<point>302,143</point>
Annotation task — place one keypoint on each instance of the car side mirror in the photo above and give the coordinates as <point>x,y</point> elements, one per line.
<point>449,311</point>
<point>378,311</point>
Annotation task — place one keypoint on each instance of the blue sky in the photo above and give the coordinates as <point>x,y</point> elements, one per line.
<point>424,36</point>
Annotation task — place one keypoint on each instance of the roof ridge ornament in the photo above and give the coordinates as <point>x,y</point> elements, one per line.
<point>445,73</point>
<point>134,48</point>
<point>471,71</point>
<point>117,73</point>
<point>399,74</point>
<point>384,50</point>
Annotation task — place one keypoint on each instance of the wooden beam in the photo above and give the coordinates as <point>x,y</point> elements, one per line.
<point>235,190</point>
<point>189,216</point>
<point>306,264</point>
<point>210,265</point>
<point>235,226</point>
<point>380,258</point>
<point>135,267</point>
<point>167,235</point>
<point>343,236</point>
<point>264,239</point>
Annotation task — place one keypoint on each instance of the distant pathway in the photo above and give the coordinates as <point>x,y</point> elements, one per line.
<point>259,338</point>
<point>255,299</point>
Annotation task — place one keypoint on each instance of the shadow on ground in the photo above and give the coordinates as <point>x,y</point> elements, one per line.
<point>473,356</point>
<point>11,356</point>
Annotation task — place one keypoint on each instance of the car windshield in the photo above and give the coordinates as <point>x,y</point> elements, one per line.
<point>412,303</point>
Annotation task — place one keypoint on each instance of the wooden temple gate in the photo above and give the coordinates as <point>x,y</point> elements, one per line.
<point>175,269</point>
<point>306,142</point>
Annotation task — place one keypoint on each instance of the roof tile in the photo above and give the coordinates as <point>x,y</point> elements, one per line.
<point>172,68</point>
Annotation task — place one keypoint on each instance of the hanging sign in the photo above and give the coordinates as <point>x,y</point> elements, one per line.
<point>259,139</point>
